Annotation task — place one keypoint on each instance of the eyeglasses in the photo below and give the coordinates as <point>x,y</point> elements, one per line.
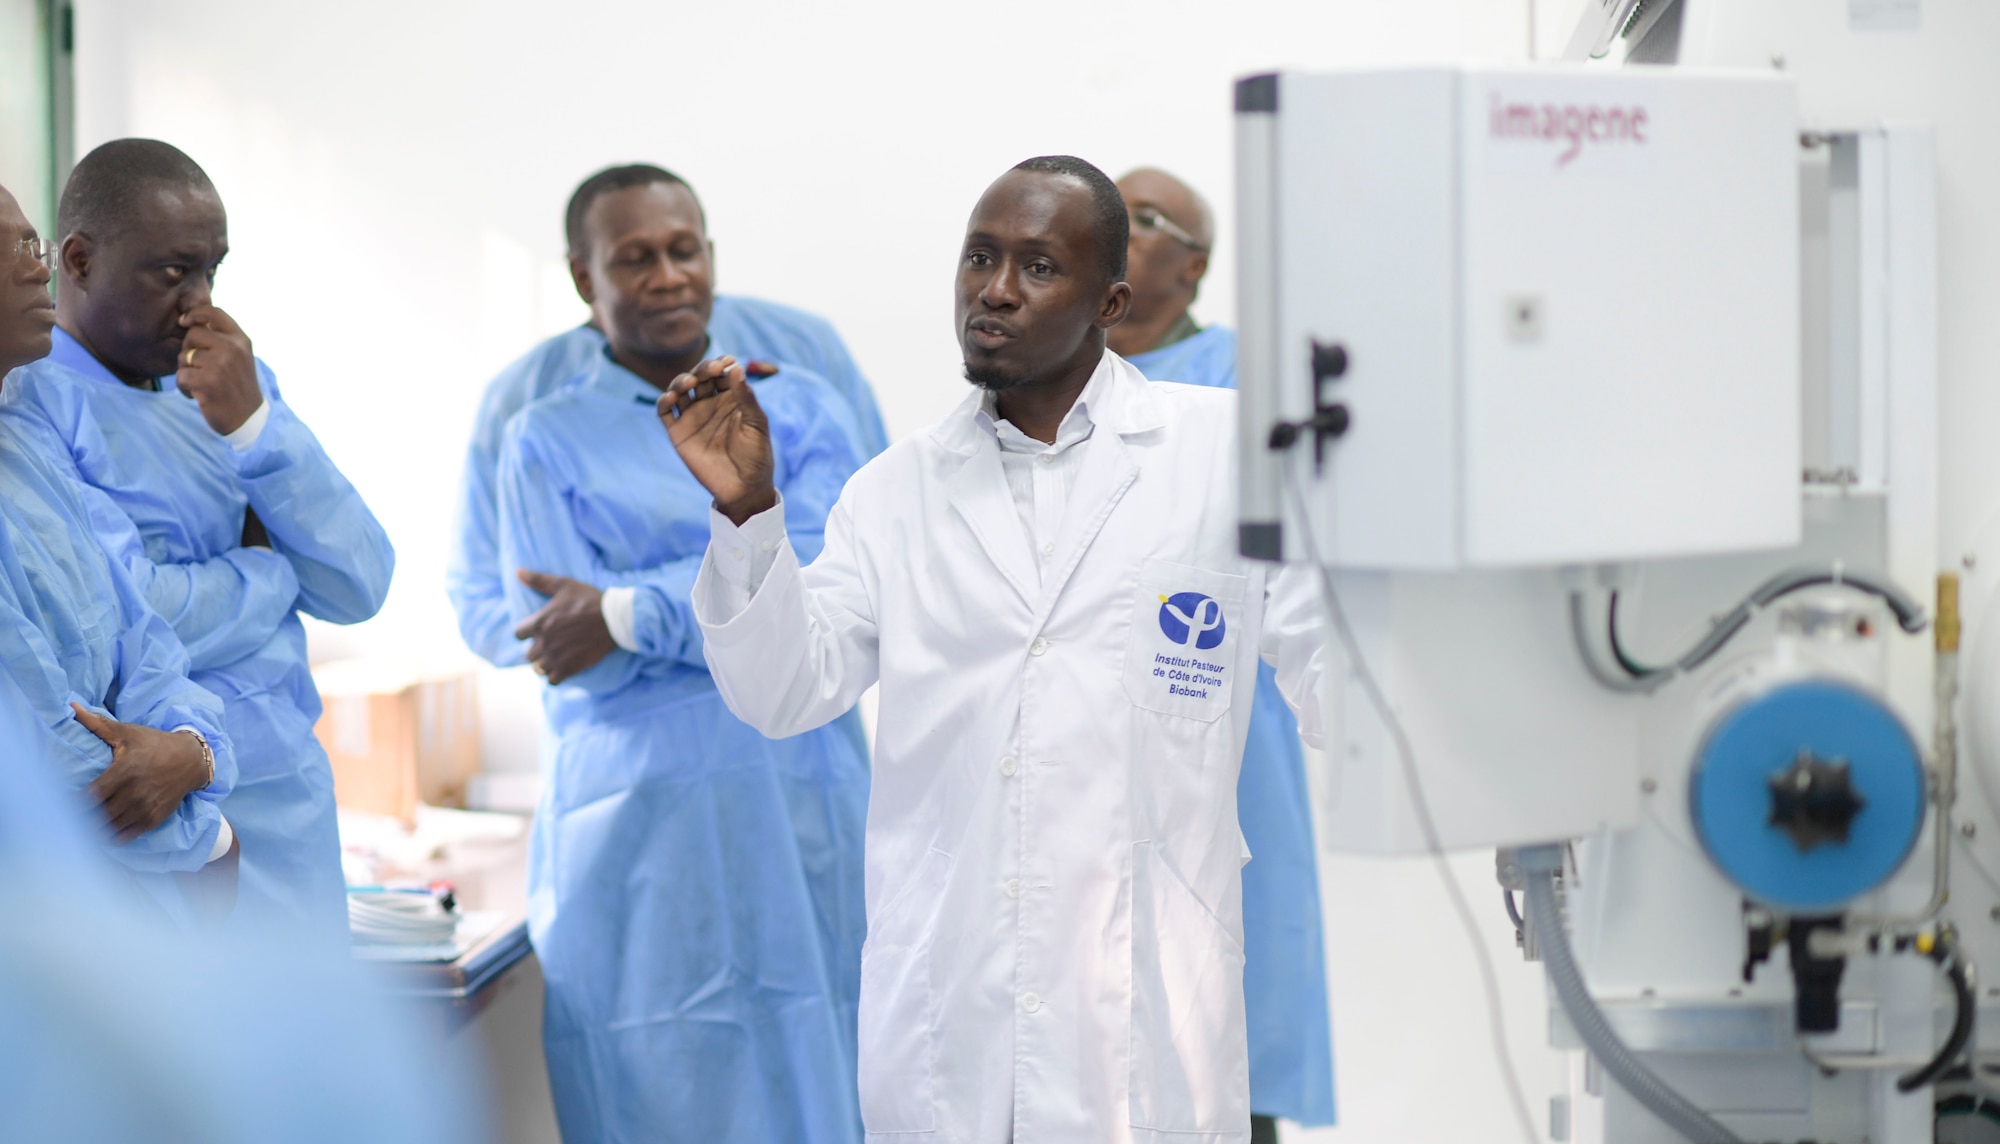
<point>1150,219</point>
<point>35,248</point>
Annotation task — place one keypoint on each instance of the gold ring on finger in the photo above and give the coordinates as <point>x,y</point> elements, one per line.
<point>189,356</point>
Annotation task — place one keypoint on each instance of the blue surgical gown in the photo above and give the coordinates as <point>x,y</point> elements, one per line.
<point>1284,949</point>
<point>695,889</point>
<point>74,628</point>
<point>45,830</point>
<point>757,329</point>
<point>116,1029</point>
<point>173,495</point>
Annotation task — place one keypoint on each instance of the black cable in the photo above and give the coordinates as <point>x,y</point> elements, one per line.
<point>1513,911</point>
<point>1909,616</point>
<point>1961,1024</point>
<point>1632,667</point>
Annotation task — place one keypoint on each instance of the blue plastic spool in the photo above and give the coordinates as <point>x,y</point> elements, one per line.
<point>1729,794</point>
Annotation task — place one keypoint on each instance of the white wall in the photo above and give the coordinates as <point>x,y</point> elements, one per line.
<point>395,174</point>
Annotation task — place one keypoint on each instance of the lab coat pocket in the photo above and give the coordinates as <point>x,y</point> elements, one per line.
<point>1180,657</point>
<point>1190,1054</point>
<point>898,1012</point>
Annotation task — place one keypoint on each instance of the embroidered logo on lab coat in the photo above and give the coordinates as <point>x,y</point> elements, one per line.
<point>1182,650</point>
<point>1186,615</point>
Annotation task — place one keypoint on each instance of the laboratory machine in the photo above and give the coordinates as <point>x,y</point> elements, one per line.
<point>1632,409</point>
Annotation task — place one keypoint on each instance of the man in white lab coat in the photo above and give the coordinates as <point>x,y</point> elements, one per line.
<point>1046,585</point>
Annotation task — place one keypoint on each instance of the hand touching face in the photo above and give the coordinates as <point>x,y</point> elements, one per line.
<point>124,294</point>
<point>217,369</point>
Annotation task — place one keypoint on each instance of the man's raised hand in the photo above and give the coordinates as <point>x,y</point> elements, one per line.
<point>217,369</point>
<point>723,437</point>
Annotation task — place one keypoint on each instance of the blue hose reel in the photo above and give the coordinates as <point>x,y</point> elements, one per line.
<point>1808,795</point>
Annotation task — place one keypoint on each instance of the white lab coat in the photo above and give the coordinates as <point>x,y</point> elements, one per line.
<point>1054,951</point>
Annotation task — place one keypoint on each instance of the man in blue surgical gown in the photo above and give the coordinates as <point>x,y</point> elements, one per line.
<point>1284,970</point>
<point>695,890</point>
<point>232,518</point>
<point>755,329</point>
<point>101,674</point>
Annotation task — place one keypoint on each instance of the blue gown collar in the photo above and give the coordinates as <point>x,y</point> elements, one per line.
<point>615,381</point>
<point>69,353</point>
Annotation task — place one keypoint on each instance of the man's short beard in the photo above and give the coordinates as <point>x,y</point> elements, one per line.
<point>994,379</point>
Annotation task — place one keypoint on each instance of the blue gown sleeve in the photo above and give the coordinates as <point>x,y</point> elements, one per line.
<point>44,829</point>
<point>813,445</point>
<point>153,688</point>
<point>663,624</point>
<point>815,456</point>
<point>538,530</point>
<point>473,581</point>
<point>315,517</point>
<point>222,609</point>
<point>837,366</point>
<point>474,578</point>
<point>150,688</point>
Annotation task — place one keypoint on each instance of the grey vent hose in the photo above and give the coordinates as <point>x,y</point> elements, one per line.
<point>1677,1111</point>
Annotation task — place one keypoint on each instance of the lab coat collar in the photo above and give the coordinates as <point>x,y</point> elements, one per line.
<point>1121,400</point>
<point>1122,404</point>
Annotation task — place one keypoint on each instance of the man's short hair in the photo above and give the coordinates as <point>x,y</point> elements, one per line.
<point>105,190</point>
<point>616,179</point>
<point>1110,226</point>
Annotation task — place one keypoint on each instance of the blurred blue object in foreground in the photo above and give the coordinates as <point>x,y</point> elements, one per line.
<point>114,1030</point>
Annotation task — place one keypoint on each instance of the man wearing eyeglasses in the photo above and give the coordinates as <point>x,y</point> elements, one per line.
<point>155,400</point>
<point>93,663</point>
<point>1284,971</point>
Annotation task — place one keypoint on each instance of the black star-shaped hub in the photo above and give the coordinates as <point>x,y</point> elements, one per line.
<point>1813,800</point>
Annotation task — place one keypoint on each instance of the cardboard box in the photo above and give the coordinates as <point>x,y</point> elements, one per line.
<point>397,738</point>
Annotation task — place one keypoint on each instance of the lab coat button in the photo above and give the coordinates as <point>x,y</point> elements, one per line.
<point>1039,647</point>
<point>1048,458</point>
<point>1030,1002</point>
<point>767,545</point>
<point>1008,766</point>
<point>1014,891</point>
<point>1048,550</point>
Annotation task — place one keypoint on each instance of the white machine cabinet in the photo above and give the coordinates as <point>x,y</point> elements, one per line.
<point>1568,300</point>
<point>1566,305</point>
